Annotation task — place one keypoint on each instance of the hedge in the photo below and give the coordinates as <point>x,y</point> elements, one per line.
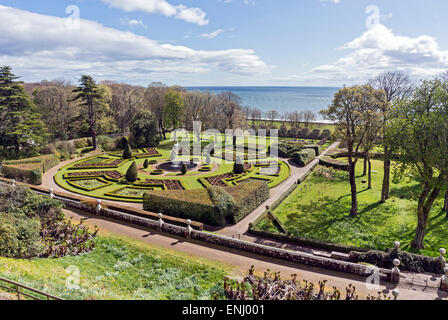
<point>304,157</point>
<point>29,170</point>
<point>333,163</point>
<point>17,172</point>
<point>247,198</point>
<point>409,261</point>
<point>316,148</point>
<point>214,205</point>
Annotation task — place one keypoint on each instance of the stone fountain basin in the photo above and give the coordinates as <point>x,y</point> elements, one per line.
<point>172,167</point>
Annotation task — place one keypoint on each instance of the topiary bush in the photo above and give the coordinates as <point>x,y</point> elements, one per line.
<point>184,169</point>
<point>132,173</point>
<point>304,157</point>
<point>146,164</point>
<point>127,154</point>
<point>238,167</point>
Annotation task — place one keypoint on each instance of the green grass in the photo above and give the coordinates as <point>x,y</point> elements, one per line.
<point>319,209</point>
<point>120,268</point>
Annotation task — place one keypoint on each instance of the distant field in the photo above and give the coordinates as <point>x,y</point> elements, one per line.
<point>317,125</point>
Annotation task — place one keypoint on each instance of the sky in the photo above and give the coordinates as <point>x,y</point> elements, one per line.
<point>224,42</point>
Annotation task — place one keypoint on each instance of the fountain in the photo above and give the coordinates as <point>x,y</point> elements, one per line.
<point>176,165</point>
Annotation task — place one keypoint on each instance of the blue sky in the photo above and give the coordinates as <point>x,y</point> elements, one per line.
<point>222,42</point>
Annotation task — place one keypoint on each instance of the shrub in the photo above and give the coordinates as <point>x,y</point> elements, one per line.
<point>132,173</point>
<point>293,131</point>
<point>326,133</point>
<point>409,261</point>
<point>304,157</point>
<point>304,133</point>
<point>214,205</point>
<point>29,170</point>
<point>32,225</point>
<point>127,153</point>
<point>316,148</point>
<point>184,168</point>
<point>146,164</point>
<point>333,163</point>
<point>283,131</point>
<point>286,149</point>
<point>315,134</point>
<point>238,167</point>
<point>82,143</point>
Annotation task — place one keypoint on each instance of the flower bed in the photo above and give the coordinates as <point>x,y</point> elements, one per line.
<point>169,184</point>
<point>110,174</point>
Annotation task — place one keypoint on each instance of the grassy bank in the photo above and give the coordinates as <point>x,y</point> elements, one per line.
<point>319,209</point>
<point>120,268</point>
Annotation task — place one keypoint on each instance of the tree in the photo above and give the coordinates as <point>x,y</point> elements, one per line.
<point>144,129</point>
<point>308,117</point>
<point>396,86</point>
<point>146,164</point>
<point>173,108</point>
<point>229,106</point>
<point>418,131</point>
<point>272,115</point>
<point>92,97</point>
<point>295,118</point>
<point>21,128</point>
<point>132,173</point>
<point>127,153</point>
<point>445,205</point>
<point>352,110</point>
<point>155,101</point>
<point>54,98</point>
<point>125,102</point>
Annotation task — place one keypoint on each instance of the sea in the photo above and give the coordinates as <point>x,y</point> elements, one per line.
<point>282,99</point>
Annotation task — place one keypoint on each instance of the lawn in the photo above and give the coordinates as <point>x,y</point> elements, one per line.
<point>121,268</point>
<point>319,209</point>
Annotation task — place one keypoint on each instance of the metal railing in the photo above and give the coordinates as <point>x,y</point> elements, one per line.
<point>19,290</point>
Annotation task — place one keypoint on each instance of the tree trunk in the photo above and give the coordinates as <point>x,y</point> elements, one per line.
<point>351,172</point>
<point>366,160</point>
<point>386,179</point>
<point>445,207</point>
<point>92,126</point>
<point>370,174</point>
<point>425,202</point>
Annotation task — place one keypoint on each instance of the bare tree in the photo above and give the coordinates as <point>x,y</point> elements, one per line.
<point>396,86</point>
<point>155,101</point>
<point>308,117</point>
<point>272,115</point>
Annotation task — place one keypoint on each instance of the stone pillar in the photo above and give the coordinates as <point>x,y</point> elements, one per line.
<point>444,280</point>
<point>160,221</point>
<point>98,206</point>
<point>51,193</point>
<point>395,293</point>
<point>189,229</point>
<point>395,274</point>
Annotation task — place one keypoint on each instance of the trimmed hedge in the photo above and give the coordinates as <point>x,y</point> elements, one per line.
<point>316,148</point>
<point>131,174</point>
<point>247,198</point>
<point>213,206</point>
<point>304,157</point>
<point>29,170</point>
<point>333,163</point>
<point>409,261</point>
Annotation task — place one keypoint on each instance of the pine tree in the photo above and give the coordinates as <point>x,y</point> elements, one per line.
<point>184,169</point>
<point>21,127</point>
<point>91,96</point>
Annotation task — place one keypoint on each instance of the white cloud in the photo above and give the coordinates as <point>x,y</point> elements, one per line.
<point>193,15</point>
<point>333,1</point>
<point>41,46</point>
<point>211,35</point>
<point>378,50</point>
